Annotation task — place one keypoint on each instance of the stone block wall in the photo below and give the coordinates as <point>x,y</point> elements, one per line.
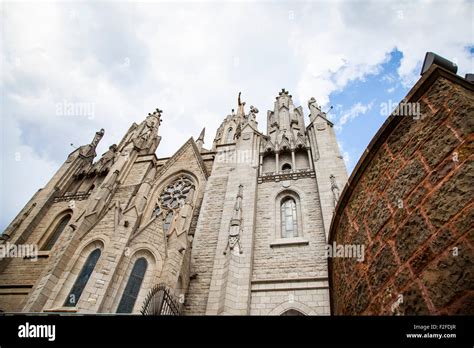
<point>20,274</point>
<point>410,202</point>
<point>289,273</point>
<point>204,246</point>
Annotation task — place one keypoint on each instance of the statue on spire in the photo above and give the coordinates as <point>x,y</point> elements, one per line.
<point>240,110</point>
<point>98,135</point>
<point>89,149</point>
<point>252,113</point>
<point>315,110</point>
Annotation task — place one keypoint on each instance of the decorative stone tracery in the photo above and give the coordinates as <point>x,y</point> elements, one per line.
<point>175,194</point>
<point>175,205</point>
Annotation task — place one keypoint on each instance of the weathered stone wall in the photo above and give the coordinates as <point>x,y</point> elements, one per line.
<point>410,203</point>
<point>327,162</point>
<point>20,274</point>
<point>205,243</point>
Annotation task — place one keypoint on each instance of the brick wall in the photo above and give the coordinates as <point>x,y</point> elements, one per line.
<point>410,203</point>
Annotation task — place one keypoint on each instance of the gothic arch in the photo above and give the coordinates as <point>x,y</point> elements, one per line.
<point>75,266</point>
<point>297,306</point>
<point>229,129</point>
<point>154,267</point>
<point>169,179</point>
<point>52,232</point>
<point>293,190</point>
<point>229,136</point>
<point>279,199</point>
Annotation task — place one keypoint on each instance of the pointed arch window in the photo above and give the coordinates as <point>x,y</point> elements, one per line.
<point>56,233</point>
<point>82,279</point>
<point>289,222</point>
<point>133,286</point>
<point>229,137</point>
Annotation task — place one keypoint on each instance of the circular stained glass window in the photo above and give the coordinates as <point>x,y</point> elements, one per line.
<point>175,194</point>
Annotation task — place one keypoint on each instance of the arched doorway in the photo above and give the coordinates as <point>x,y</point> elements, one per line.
<point>291,312</point>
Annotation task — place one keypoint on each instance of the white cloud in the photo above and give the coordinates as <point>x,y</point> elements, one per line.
<point>345,155</point>
<point>346,41</point>
<point>355,111</point>
<point>191,60</point>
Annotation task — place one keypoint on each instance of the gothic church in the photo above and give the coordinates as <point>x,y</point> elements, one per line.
<point>238,229</point>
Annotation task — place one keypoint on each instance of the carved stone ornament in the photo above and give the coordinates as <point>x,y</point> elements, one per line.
<point>235,225</point>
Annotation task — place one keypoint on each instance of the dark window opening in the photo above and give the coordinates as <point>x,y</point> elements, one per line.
<point>286,166</point>
<point>82,279</point>
<point>133,286</point>
<point>56,233</point>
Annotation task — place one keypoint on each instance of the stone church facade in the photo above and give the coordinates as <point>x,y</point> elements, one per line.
<point>239,229</point>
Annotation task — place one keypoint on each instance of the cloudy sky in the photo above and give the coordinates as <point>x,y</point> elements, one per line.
<point>117,61</point>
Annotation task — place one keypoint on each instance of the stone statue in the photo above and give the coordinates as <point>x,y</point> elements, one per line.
<point>312,104</point>
<point>97,137</point>
<point>107,159</point>
<point>89,149</point>
<point>240,110</point>
<point>334,189</point>
<point>235,225</point>
<point>252,113</point>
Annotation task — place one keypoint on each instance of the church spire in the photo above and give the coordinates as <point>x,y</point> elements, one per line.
<point>285,119</point>
<point>144,136</point>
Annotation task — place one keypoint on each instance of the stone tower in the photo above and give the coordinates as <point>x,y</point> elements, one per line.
<point>259,248</point>
<point>236,229</point>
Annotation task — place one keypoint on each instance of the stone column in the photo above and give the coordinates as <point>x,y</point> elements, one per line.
<point>293,162</point>
<point>277,164</point>
<point>261,166</point>
<point>309,159</point>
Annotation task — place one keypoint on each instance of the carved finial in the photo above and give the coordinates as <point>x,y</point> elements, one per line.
<point>157,113</point>
<point>284,93</point>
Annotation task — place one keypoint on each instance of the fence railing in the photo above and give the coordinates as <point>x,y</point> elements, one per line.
<point>160,301</point>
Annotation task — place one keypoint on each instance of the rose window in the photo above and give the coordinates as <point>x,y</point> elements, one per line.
<point>175,194</point>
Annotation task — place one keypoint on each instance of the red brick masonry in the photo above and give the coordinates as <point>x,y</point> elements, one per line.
<point>410,202</point>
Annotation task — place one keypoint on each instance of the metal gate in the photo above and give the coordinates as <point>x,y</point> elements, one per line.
<point>160,301</point>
